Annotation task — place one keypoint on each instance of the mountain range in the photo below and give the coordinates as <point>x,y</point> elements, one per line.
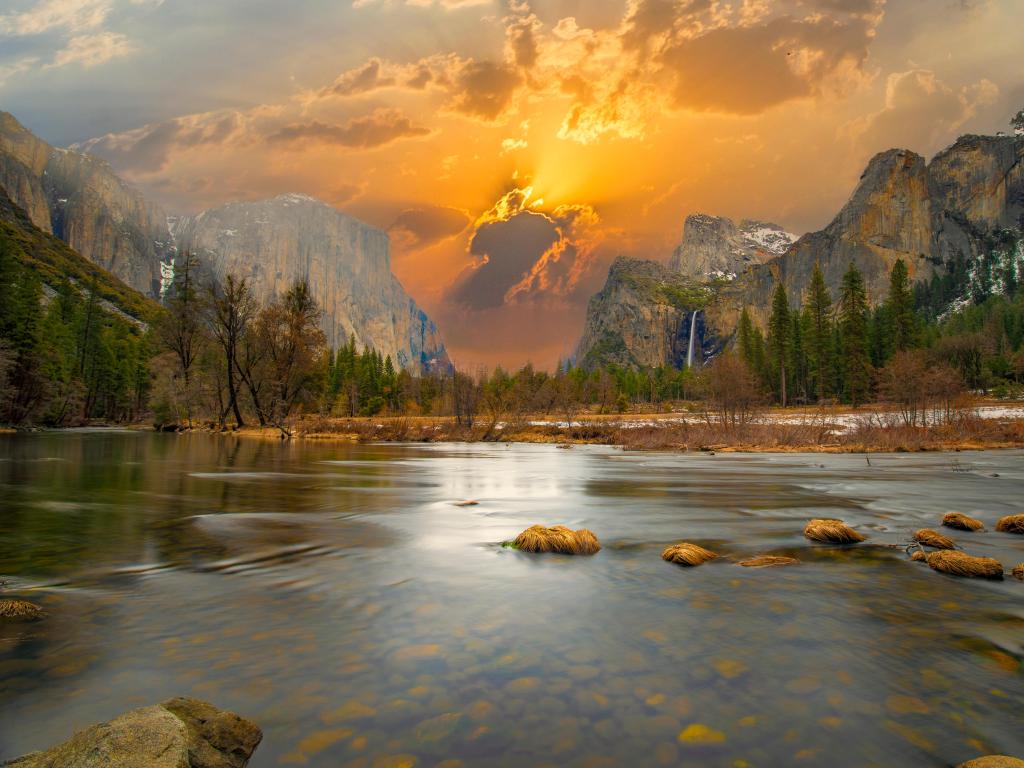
<point>80,200</point>
<point>962,213</point>
<point>958,214</point>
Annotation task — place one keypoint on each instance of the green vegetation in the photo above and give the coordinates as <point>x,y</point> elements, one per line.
<point>854,353</point>
<point>53,261</point>
<point>680,293</point>
<point>64,358</point>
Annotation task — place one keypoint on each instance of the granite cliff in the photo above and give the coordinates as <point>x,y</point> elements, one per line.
<point>643,318</point>
<point>347,264</point>
<point>715,246</point>
<point>82,201</point>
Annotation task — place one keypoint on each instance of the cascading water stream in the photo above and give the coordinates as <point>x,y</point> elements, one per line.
<point>693,333</point>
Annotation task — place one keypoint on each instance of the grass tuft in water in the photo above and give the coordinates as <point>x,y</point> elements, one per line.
<point>832,531</point>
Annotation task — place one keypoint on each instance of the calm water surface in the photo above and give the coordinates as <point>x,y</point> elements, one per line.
<point>337,596</point>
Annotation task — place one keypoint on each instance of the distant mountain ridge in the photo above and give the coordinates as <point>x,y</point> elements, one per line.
<point>81,200</point>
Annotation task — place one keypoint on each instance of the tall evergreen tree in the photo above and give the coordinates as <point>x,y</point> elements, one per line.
<point>780,329</point>
<point>798,369</point>
<point>745,338</point>
<point>900,309</point>
<point>853,322</point>
<point>818,312</point>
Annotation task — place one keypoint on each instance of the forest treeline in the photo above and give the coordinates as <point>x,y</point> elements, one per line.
<point>216,356</point>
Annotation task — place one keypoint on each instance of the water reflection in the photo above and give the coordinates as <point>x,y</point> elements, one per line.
<point>338,596</point>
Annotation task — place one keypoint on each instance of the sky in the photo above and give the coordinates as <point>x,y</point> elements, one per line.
<point>511,148</point>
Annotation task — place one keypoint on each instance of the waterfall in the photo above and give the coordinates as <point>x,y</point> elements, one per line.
<point>693,335</point>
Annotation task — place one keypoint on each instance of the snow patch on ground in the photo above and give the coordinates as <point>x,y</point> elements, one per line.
<point>838,422</point>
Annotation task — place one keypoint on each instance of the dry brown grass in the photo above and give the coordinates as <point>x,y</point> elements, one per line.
<point>930,538</point>
<point>961,564</point>
<point>559,539</point>
<point>687,554</point>
<point>19,609</point>
<point>768,561</point>
<point>919,555</point>
<point>962,522</point>
<point>816,431</point>
<point>1011,524</point>
<point>1018,571</point>
<point>831,531</point>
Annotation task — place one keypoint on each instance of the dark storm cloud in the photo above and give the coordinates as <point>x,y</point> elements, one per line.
<point>508,250</point>
<point>484,89</point>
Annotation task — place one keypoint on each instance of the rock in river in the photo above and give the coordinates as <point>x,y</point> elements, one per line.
<point>179,733</point>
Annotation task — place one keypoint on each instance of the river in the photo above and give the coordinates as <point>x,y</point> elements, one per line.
<point>338,596</point>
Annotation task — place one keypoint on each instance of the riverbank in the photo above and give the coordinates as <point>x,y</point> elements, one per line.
<point>991,425</point>
<point>984,425</point>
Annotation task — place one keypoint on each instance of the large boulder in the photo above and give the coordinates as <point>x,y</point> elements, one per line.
<point>993,761</point>
<point>180,733</point>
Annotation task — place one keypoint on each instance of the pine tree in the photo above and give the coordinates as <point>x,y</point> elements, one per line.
<point>853,321</point>
<point>797,364</point>
<point>820,349</point>
<point>900,309</point>
<point>780,330</point>
<point>745,338</point>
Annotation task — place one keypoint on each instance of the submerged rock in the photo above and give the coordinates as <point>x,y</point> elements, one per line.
<point>962,522</point>
<point>1018,571</point>
<point>1011,524</point>
<point>20,609</point>
<point>831,531</point>
<point>687,554</point>
<point>768,561</point>
<point>180,733</point>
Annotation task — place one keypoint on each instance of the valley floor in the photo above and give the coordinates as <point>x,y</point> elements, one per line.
<point>984,425</point>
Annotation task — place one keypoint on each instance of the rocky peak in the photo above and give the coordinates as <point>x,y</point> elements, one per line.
<point>890,206</point>
<point>982,178</point>
<point>23,160</point>
<point>717,247</point>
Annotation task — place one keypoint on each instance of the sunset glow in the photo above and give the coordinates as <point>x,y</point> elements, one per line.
<point>511,148</point>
